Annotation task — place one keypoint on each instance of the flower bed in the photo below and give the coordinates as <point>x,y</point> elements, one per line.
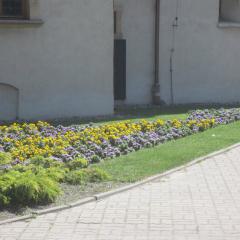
<point>31,152</point>
<point>24,141</point>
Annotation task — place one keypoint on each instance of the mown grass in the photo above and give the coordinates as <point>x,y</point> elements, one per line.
<point>148,162</point>
<point>137,113</point>
<point>131,114</point>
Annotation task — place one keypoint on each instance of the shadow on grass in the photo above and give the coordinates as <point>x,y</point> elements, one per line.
<point>135,113</point>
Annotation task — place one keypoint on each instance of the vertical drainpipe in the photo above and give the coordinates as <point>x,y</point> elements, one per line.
<point>156,86</point>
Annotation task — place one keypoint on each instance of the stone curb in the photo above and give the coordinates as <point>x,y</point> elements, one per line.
<point>63,207</point>
<point>102,196</point>
<point>82,202</point>
<point>17,219</point>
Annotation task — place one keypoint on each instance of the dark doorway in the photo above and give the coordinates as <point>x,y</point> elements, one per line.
<point>119,69</point>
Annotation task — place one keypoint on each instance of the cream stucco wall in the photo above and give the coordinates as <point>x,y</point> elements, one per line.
<point>205,57</point>
<point>138,29</point>
<point>64,67</point>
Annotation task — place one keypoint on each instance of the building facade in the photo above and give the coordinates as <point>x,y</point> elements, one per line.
<point>79,57</point>
<point>198,50</point>
<point>56,62</point>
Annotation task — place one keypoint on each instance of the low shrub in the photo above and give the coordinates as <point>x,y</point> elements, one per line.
<point>80,177</point>
<point>77,164</point>
<point>77,177</point>
<point>45,162</point>
<point>4,200</point>
<point>19,167</point>
<point>26,188</point>
<point>6,181</point>
<point>95,159</point>
<point>34,189</point>
<point>55,173</point>
<point>5,158</point>
<point>96,175</point>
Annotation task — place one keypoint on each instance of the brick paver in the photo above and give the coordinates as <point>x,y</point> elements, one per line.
<point>201,202</point>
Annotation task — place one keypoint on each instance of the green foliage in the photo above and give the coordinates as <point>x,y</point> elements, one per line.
<point>97,175</point>
<point>45,162</point>
<point>6,180</point>
<point>95,159</point>
<point>80,177</point>
<point>20,168</point>
<point>38,182</point>
<point>4,200</point>
<point>5,158</point>
<point>77,177</point>
<point>25,188</point>
<point>34,189</point>
<point>77,164</point>
<point>56,173</point>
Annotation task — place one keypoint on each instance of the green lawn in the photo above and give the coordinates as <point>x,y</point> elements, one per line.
<point>132,114</point>
<point>147,162</point>
<point>137,113</point>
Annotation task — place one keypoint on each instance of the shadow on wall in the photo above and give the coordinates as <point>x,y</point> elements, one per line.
<point>9,100</point>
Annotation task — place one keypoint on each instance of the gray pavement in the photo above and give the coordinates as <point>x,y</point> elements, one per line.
<point>201,202</point>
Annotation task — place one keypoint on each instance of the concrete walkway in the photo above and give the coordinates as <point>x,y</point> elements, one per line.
<point>200,202</point>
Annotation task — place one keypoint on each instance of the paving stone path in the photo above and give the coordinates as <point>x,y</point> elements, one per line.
<point>201,202</point>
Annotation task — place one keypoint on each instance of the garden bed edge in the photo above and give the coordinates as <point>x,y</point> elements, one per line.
<point>104,195</point>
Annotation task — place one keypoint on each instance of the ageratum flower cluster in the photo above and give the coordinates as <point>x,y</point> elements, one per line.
<point>94,143</point>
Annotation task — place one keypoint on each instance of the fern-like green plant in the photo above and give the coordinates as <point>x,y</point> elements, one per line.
<point>56,173</point>
<point>97,175</point>
<point>80,177</point>
<point>50,190</point>
<point>45,162</point>
<point>6,180</point>
<point>77,177</point>
<point>77,163</point>
<point>5,158</point>
<point>27,188</point>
